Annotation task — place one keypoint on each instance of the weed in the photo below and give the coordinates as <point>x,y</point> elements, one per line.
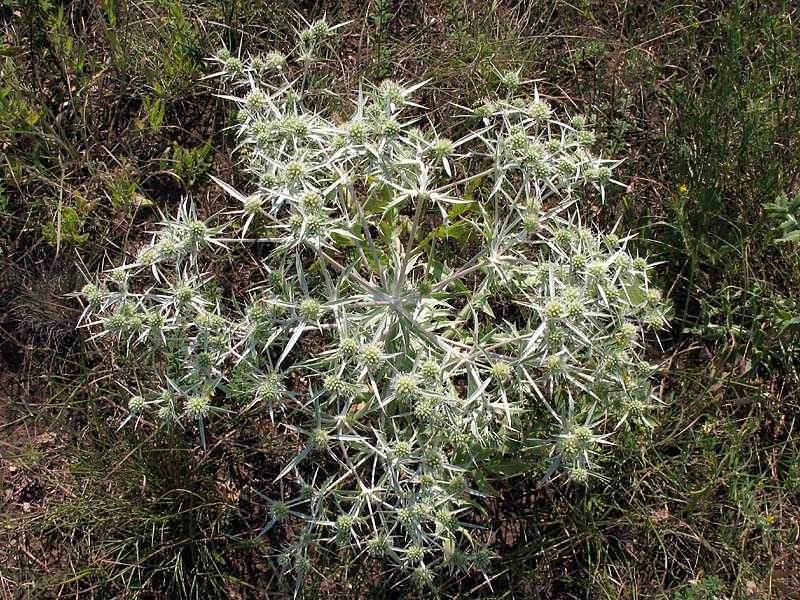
<point>416,401</point>
<point>701,98</point>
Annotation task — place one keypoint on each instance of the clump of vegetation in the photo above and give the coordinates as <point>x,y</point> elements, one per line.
<point>106,122</point>
<point>423,367</point>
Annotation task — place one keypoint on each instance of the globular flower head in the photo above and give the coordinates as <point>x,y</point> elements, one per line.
<point>296,221</point>
<point>540,168</point>
<point>116,322</point>
<point>534,153</point>
<point>335,385</point>
<point>197,231</point>
<point>204,362</point>
<point>578,262</point>
<point>422,576</point>
<point>306,36</point>
<point>563,237</point>
<point>166,412</point>
<point>198,407</point>
<point>643,368</point>
<point>357,132</point>
<point>539,111</point>
<point>349,347</point>
<point>252,204</point>
<point>279,511</point>
<point>510,79</point>
<point>307,491</point>
<point>88,290</point>
<point>585,138</point>
<point>267,181</point>
<point>183,293</point>
<point>370,356</point>
<point>392,91</point>
<point>553,146</point>
<point>406,387</point>
<point>627,333</point>
<point>616,360</point>
<point>603,174</point>
<point>555,310</point>
<point>582,433</point>
<point>378,546</point>
<point>555,363</point>
<point>310,309</point>
<point>270,388</point>
<point>611,240</point>
<point>345,523</point>
<point>578,122</point>
<point>457,485</point>
<point>274,61</point>
<point>302,565</point>
<point>517,143</point>
<point>285,559</point>
<point>532,222</point>
<point>233,66</point>
<point>433,458</point>
<point>170,248</point>
<point>424,409</point>
<point>137,404</point>
<point>653,318</point>
<point>295,127</point>
<point>402,449</point>
<point>501,371</point>
<point>296,170</point>
<point>415,553</point>
<point>119,276</point>
<point>312,202</point>
<point>430,371</point>
<point>568,446</point>
<point>148,256</point>
<point>575,309</point>
<point>258,65</point>
<point>485,109</point>
<point>256,101</point>
<point>406,515</point>
<point>635,406</point>
<point>154,319</point>
<point>319,439</point>
<point>93,294</point>
<point>316,225</point>
<point>566,169</point>
<point>391,128</point>
<point>653,296</point>
<point>483,558</point>
<point>320,30</point>
<point>578,474</point>
<point>442,148</point>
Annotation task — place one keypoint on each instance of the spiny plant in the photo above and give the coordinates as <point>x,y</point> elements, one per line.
<point>422,366</point>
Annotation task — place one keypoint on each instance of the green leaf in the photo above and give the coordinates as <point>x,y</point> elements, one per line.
<point>509,468</point>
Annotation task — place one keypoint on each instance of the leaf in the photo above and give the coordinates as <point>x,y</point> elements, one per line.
<point>509,468</point>
<point>470,188</point>
<point>459,209</point>
<point>292,464</point>
<point>483,484</point>
<point>792,236</point>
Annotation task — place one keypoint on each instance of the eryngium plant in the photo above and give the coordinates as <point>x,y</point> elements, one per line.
<point>455,315</point>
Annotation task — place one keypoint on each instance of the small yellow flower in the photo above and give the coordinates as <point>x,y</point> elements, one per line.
<point>683,189</point>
